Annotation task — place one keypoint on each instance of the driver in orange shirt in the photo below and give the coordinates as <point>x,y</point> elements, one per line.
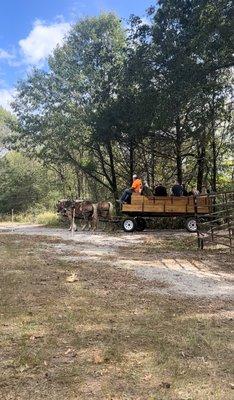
<point>136,188</point>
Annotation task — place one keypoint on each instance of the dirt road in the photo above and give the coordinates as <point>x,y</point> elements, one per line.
<point>169,258</point>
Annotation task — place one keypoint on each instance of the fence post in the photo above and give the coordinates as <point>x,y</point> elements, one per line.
<point>12,215</point>
<point>73,221</point>
<point>199,240</point>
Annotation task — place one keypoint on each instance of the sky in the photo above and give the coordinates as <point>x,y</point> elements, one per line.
<point>30,30</point>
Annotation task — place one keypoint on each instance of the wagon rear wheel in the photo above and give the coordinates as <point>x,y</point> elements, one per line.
<point>140,224</point>
<point>129,224</point>
<point>191,225</point>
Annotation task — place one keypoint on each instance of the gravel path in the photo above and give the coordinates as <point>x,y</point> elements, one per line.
<point>180,273</point>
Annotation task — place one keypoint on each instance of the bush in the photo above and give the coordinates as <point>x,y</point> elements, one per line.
<point>48,218</point>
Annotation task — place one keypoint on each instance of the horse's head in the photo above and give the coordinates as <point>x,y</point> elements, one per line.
<point>64,205</point>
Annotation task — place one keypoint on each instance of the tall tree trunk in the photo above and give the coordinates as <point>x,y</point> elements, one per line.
<point>113,183</point>
<point>178,151</point>
<point>152,162</point>
<point>201,161</point>
<point>142,153</point>
<point>78,183</point>
<point>214,147</point>
<point>131,159</point>
<point>113,174</point>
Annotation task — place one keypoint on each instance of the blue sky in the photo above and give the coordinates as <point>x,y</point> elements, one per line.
<point>30,29</point>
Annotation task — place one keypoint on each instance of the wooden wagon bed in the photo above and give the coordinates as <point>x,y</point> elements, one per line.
<point>169,205</point>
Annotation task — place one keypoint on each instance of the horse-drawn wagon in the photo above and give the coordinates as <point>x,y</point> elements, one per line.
<point>135,214</point>
<point>142,207</point>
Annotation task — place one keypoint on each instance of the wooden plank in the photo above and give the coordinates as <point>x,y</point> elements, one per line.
<point>149,198</point>
<point>131,208</point>
<point>156,208</point>
<point>202,209</point>
<point>190,209</point>
<point>137,203</point>
<point>179,201</point>
<point>148,201</point>
<point>175,208</point>
<point>201,201</point>
<point>137,200</point>
<point>191,200</point>
<point>163,200</point>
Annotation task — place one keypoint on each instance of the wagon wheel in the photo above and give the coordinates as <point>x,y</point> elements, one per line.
<point>140,224</point>
<point>129,224</point>
<point>191,225</point>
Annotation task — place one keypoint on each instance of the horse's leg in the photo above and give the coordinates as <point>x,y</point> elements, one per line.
<point>110,211</point>
<point>89,223</point>
<point>69,216</point>
<point>85,222</point>
<point>95,223</point>
<point>95,217</point>
<point>73,224</point>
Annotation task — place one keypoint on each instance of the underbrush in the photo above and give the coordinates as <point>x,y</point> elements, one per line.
<point>47,218</point>
<point>166,223</point>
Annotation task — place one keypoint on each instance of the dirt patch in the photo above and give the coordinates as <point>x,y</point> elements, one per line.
<point>168,257</point>
<point>108,335</point>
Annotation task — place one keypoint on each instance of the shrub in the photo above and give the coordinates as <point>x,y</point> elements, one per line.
<point>48,218</point>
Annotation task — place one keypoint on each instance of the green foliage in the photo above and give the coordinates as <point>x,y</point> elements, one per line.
<point>5,117</point>
<point>48,218</point>
<point>20,184</point>
<point>24,183</point>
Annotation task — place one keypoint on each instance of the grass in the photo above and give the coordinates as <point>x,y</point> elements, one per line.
<point>106,336</point>
<point>46,218</point>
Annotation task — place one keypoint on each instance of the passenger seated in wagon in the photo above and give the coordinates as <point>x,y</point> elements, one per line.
<point>135,188</point>
<point>177,189</point>
<point>160,190</point>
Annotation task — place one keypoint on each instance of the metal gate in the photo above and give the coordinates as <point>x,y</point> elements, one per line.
<point>217,226</point>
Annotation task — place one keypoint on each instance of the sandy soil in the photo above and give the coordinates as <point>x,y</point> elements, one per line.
<point>180,273</point>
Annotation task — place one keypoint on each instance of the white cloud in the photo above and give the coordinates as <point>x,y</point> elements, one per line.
<point>6,97</point>
<point>42,39</point>
<point>5,55</point>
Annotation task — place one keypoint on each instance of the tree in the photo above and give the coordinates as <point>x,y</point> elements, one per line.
<point>56,110</point>
<point>20,185</point>
<point>186,50</point>
<point>154,100</point>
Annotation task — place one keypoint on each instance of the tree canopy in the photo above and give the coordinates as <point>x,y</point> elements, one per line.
<point>152,98</point>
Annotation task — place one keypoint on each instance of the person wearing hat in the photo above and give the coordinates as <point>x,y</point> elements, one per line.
<point>136,187</point>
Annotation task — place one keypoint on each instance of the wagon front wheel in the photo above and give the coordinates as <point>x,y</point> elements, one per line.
<point>191,225</point>
<point>129,225</point>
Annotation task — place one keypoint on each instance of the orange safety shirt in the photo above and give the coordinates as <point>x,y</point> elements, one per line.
<point>137,185</point>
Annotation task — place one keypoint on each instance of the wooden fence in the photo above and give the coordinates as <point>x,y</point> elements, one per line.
<point>217,225</point>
